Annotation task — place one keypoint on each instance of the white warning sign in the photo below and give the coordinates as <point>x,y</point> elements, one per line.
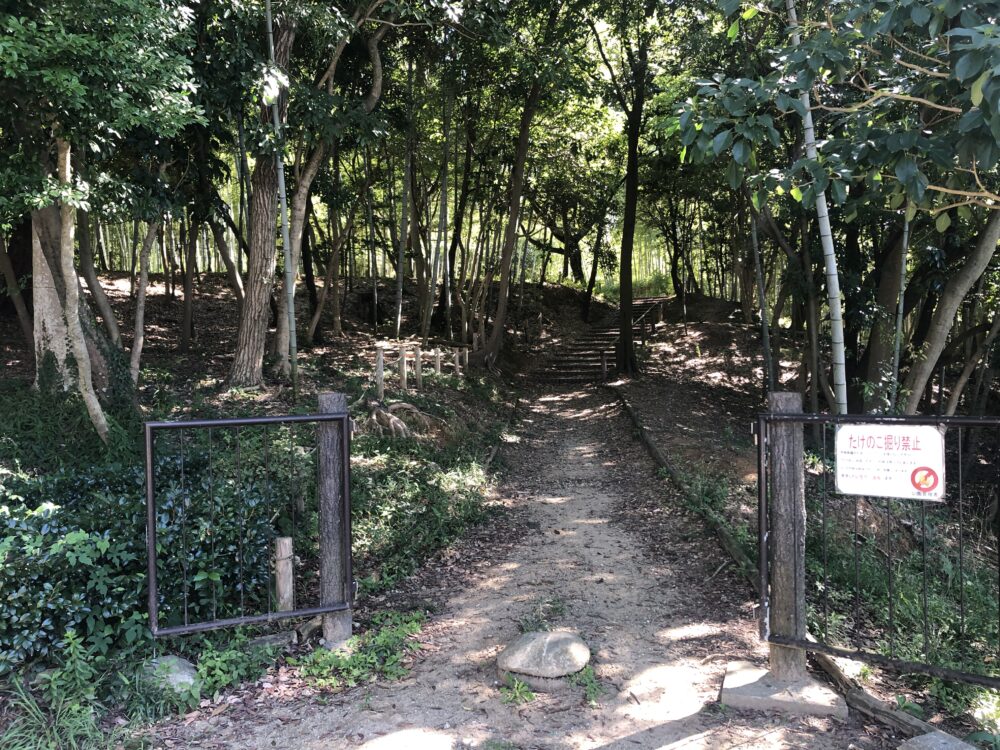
<point>886,460</point>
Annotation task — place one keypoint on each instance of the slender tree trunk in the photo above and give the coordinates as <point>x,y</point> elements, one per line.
<point>139,334</point>
<point>944,314</point>
<point>187,318</point>
<point>93,283</point>
<point>495,343</point>
<point>589,297</point>
<point>826,239</point>
<point>232,269</point>
<point>14,292</point>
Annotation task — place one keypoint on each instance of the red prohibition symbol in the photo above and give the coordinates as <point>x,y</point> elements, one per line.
<point>924,478</point>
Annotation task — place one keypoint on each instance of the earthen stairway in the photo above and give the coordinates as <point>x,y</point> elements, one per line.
<point>591,357</point>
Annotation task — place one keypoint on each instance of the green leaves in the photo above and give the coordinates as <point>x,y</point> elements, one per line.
<point>912,179</point>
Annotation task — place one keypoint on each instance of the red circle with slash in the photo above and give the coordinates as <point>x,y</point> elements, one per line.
<point>924,478</point>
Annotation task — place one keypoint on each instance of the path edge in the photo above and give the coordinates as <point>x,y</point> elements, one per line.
<point>856,696</point>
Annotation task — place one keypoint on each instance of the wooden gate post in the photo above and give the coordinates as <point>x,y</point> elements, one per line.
<point>380,374</point>
<point>787,542</point>
<point>334,557</point>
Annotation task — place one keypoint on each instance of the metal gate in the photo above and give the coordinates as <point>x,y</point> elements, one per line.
<point>907,584</point>
<point>220,492</point>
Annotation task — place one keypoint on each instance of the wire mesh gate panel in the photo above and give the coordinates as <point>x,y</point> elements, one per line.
<point>906,584</point>
<point>219,493</point>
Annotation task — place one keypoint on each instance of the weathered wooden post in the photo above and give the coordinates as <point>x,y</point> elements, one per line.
<point>402,367</point>
<point>380,374</point>
<point>604,365</point>
<point>642,332</point>
<point>437,361</point>
<point>334,557</point>
<point>465,358</point>
<point>458,366</point>
<point>284,573</point>
<point>418,368</point>
<point>787,543</point>
<point>475,342</point>
<point>786,687</point>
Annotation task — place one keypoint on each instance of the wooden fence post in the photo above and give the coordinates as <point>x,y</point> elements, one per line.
<point>402,367</point>
<point>418,368</point>
<point>787,542</point>
<point>437,361</point>
<point>380,374</point>
<point>334,557</point>
<point>284,573</point>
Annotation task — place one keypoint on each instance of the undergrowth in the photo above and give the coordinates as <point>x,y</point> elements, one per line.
<point>378,654</point>
<point>849,593</point>
<point>73,556</point>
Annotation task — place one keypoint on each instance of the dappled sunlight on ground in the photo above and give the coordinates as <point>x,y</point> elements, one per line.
<point>611,557</point>
<point>411,739</point>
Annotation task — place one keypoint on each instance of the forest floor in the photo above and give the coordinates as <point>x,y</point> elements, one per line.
<point>595,542</point>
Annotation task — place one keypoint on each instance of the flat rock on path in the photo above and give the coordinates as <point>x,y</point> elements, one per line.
<point>544,654</point>
<point>618,562</point>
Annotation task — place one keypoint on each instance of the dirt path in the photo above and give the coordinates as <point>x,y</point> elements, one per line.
<point>614,560</point>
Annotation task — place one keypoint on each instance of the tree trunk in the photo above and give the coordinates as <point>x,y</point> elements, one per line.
<point>90,276</point>
<point>139,333</point>
<point>187,317</point>
<point>14,292</point>
<point>826,239</point>
<point>58,328</point>
<point>944,315</point>
<point>248,361</point>
<point>495,343</point>
<point>232,269</point>
<point>627,364</point>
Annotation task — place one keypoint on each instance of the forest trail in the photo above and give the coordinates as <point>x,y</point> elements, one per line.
<point>612,559</point>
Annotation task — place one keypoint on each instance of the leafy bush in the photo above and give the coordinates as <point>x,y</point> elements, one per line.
<point>64,713</point>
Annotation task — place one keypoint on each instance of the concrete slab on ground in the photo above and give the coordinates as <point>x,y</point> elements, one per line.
<point>748,686</point>
<point>935,741</point>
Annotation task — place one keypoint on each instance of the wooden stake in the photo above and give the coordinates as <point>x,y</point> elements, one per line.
<point>380,374</point>
<point>458,366</point>
<point>604,365</point>
<point>465,357</point>
<point>402,367</point>
<point>284,573</point>
<point>418,368</point>
<point>437,361</point>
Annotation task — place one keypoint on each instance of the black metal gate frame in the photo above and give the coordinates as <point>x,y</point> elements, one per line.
<point>763,557</point>
<point>344,420</point>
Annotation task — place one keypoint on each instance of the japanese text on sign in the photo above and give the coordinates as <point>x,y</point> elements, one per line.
<point>905,461</point>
